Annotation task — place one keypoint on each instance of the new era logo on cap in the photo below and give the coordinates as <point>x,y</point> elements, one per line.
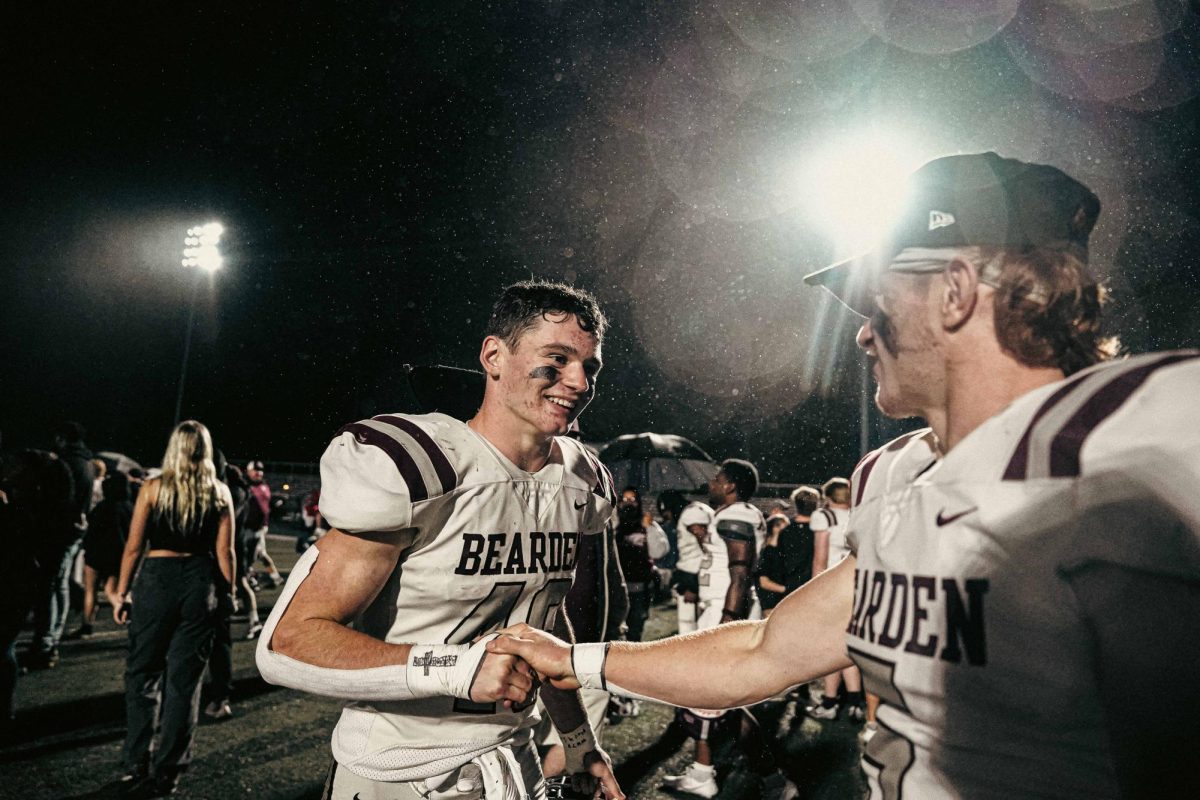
<point>940,219</point>
<point>997,202</point>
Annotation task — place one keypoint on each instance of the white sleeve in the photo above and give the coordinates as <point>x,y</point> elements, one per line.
<point>1137,498</point>
<point>362,488</point>
<point>819,521</point>
<point>695,514</point>
<point>657,543</point>
<point>441,669</point>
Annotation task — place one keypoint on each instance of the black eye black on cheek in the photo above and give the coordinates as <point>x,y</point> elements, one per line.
<point>544,373</point>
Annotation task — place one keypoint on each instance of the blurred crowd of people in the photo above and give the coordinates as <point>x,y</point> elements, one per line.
<point>177,565</point>
<point>172,550</point>
<point>690,555</point>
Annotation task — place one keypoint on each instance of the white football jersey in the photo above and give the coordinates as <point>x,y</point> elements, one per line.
<point>493,545</point>
<point>691,551</point>
<point>835,521</point>
<point>740,520</point>
<point>963,622</point>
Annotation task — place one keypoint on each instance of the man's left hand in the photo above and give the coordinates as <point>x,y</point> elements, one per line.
<point>596,779</point>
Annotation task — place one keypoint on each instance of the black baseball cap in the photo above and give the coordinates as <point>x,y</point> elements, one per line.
<point>255,465</point>
<point>973,199</point>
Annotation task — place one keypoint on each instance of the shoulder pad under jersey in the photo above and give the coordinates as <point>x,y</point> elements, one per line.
<point>739,521</point>
<point>375,470</point>
<point>901,459</point>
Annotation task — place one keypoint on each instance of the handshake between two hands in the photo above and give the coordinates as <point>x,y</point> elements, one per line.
<point>519,660</point>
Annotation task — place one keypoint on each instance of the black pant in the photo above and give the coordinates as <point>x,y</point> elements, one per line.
<point>220,663</point>
<point>170,635</point>
<point>639,609</point>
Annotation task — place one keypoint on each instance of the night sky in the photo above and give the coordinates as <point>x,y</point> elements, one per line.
<point>381,169</point>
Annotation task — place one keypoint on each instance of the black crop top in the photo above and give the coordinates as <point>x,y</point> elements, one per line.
<point>200,539</point>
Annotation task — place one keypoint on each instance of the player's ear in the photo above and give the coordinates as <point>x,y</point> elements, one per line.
<point>960,284</point>
<point>491,356</point>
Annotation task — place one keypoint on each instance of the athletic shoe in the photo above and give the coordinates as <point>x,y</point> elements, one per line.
<point>857,714</point>
<point>131,776</point>
<point>559,788</point>
<point>624,706</point>
<point>869,730</point>
<point>84,631</point>
<point>255,629</point>
<point>152,787</point>
<point>776,786</point>
<point>276,579</point>
<point>822,711</point>
<point>697,780</point>
<point>40,659</point>
<point>218,709</point>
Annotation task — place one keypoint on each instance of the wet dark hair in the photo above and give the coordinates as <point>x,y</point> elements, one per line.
<point>743,475</point>
<point>837,490</point>
<point>806,499</point>
<point>115,486</point>
<point>672,500</point>
<point>521,305</point>
<point>1047,309</point>
<point>71,432</point>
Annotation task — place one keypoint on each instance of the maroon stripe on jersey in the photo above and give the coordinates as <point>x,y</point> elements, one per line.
<point>1018,465</point>
<point>441,465</point>
<point>365,434</point>
<point>868,464</point>
<point>604,480</point>
<point>1068,442</point>
<point>605,486</point>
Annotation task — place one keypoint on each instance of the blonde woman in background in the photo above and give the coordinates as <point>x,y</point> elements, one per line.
<point>184,521</point>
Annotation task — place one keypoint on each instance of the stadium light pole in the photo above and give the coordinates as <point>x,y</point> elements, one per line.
<point>201,251</point>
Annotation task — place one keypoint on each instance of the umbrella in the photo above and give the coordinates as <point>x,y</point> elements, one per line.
<point>655,462</point>
<point>118,461</point>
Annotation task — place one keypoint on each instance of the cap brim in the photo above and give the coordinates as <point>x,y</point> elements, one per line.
<point>849,281</point>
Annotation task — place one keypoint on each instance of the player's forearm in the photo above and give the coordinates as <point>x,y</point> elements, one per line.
<point>693,670</point>
<point>803,639</point>
<point>771,586</point>
<point>564,707</point>
<point>326,643</point>
<point>737,596</point>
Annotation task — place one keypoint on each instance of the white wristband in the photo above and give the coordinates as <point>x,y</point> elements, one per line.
<point>445,669</point>
<point>587,662</point>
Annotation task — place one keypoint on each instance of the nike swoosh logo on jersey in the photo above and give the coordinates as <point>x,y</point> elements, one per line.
<point>942,519</point>
<point>579,505</point>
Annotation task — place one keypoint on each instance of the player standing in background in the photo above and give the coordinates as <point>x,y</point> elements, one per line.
<point>443,532</point>
<point>829,524</point>
<point>691,536</point>
<point>1021,565</point>
<point>735,535</point>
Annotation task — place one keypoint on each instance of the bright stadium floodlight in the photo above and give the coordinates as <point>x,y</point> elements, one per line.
<point>201,247</point>
<point>854,189</point>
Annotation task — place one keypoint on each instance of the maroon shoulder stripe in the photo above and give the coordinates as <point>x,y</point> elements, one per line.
<point>441,465</point>
<point>605,487</point>
<point>365,434</point>
<point>865,467</point>
<point>1068,442</point>
<point>868,462</point>
<point>1019,463</point>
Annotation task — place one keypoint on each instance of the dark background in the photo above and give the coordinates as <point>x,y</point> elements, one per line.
<point>383,168</point>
